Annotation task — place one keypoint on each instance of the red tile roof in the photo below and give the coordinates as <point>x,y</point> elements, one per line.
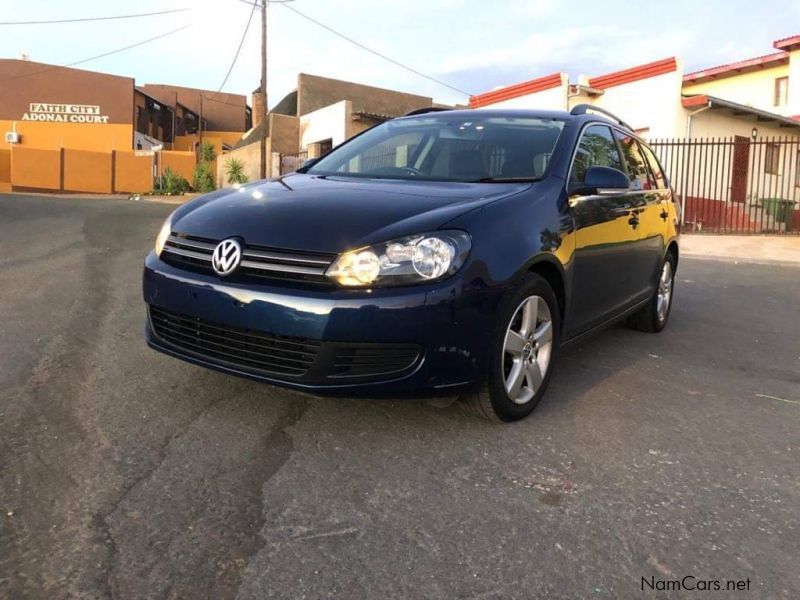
<point>788,43</point>
<point>743,66</point>
<point>652,69</point>
<point>515,91</point>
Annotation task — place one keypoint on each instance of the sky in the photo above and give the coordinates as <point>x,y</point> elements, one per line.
<point>472,45</point>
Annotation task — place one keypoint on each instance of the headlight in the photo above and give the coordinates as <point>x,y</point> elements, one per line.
<point>166,229</point>
<point>413,259</point>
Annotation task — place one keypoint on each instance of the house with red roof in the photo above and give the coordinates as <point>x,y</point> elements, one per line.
<point>729,135</point>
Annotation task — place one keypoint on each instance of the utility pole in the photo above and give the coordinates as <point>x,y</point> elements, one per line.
<point>263,93</point>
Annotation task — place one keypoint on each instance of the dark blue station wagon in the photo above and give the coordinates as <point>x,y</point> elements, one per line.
<point>445,253</point>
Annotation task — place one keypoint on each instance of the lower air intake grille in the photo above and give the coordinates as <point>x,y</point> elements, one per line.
<point>252,350</point>
<point>370,360</point>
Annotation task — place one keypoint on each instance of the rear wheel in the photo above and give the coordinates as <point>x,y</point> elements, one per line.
<point>521,356</point>
<point>653,317</point>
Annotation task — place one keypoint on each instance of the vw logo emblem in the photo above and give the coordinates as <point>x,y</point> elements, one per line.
<point>227,256</point>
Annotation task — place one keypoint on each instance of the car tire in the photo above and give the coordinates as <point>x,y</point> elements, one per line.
<point>653,317</point>
<point>502,396</point>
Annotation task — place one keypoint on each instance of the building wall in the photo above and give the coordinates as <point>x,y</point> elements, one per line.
<point>325,123</point>
<point>651,105</point>
<point>793,106</point>
<point>552,99</point>
<point>284,133</point>
<point>221,111</point>
<point>756,88</point>
<point>315,92</point>
<point>250,157</point>
<point>132,173</point>
<point>61,107</point>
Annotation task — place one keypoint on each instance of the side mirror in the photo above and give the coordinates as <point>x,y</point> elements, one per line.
<point>601,178</point>
<point>308,164</point>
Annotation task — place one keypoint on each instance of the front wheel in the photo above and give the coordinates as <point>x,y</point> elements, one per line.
<point>522,353</point>
<point>652,318</point>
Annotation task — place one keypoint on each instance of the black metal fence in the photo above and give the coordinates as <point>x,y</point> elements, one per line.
<point>735,185</point>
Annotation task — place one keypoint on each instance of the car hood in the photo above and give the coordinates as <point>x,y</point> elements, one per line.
<point>331,214</point>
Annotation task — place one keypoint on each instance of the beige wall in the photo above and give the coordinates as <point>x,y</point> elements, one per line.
<point>315,92</point>
<point>756,88</point>
<point>250,157</point>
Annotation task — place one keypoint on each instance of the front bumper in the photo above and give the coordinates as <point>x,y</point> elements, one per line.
<point>449,324</point>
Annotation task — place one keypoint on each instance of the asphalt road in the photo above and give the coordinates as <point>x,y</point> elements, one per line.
<point>128,474</point>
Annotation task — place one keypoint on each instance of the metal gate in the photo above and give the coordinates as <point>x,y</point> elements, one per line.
<point>735,185</point>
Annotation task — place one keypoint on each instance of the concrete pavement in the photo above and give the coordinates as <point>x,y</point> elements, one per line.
<point>128,474</point>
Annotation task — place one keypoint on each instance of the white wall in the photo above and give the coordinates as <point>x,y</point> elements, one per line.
<point>326,123</point>
<point>552,99</point>
<point>652,104</point>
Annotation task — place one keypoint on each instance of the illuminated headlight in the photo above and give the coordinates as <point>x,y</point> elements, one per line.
<point>413,259</point>
<point>166,229</point>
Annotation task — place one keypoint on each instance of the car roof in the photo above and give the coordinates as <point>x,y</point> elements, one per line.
<point>525,112</point>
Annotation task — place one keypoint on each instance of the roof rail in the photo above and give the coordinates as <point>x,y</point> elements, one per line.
<point>582,109</point>
<point>427,109</point>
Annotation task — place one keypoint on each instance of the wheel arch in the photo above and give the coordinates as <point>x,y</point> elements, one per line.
<point>550,269</point>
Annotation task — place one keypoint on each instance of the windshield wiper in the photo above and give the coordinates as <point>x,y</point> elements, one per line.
<point>505,180</point>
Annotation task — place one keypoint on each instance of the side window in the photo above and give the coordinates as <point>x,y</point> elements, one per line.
<point>638,171</point>
<point>596,149</point>
<point>655,168</point>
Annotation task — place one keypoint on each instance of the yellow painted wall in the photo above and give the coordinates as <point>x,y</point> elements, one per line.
<point>756,88</point>
<point>181,163</point>
<point>86,171</point>
<point>100,137</point>
<point>5,166</point>
<point>132,173</point>
<point>36,168</point>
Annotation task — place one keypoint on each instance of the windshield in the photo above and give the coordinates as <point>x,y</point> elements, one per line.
<point>448,147</point>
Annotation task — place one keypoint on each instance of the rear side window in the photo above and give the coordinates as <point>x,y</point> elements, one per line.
<point>596,149</point>
<point>655,168</point>
<point>638,171</point>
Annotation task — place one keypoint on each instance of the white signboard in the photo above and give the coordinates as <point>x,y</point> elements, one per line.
<point>64,113</point>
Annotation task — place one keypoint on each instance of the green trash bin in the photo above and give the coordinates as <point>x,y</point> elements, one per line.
<point>780,208</point>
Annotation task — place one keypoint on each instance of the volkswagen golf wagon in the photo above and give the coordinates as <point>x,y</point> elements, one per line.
<point>444,253</point>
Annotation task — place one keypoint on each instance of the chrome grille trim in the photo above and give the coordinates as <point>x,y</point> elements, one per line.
<point>257,261</point>
<point>262,266</point>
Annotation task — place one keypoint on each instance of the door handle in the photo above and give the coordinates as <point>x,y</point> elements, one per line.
<point>633,221</point>
<point>664,214</point>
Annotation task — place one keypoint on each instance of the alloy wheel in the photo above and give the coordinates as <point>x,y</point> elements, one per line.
<point>527,349</point>
<point>664,294</point>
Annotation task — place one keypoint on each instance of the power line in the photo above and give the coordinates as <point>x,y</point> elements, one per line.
<point>371,51</point>
<point>91,58</point>
<point>239,49</point>
<point>87,19</point>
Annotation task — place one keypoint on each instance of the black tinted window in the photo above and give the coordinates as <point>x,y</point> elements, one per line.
<point>596,149</point>
<point>638,171</point>
<point>661,181</point>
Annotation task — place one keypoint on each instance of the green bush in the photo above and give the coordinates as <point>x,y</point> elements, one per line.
<point>234,168</point>
<point>170,183</point>
<point>203,179</point>
<point>206,152</point>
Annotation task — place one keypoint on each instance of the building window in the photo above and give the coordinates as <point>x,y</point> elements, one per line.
<point>772,158</point>
<point>781,91</point>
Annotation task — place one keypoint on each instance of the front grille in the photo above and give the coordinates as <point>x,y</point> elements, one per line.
<point>372,360</point>
<point>257,261</point>
<point>254,350</point>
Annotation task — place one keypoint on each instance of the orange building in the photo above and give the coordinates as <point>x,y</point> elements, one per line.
<point>61,128</point>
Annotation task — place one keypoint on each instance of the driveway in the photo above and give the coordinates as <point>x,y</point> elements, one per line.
<point>125,473</point>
